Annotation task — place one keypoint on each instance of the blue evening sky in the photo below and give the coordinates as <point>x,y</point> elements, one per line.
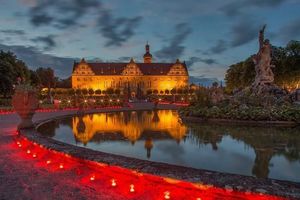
<point>207,35</point>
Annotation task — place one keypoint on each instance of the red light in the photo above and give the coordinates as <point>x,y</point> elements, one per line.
<point>34,155</point>
<point>131,188</point>
<point>61,166</point>
<point>28,151</point>
<point>48,162</point>
<point>92,178</point>
<point>167,195</point>
<point>20,145</point>
<point>113,183</point>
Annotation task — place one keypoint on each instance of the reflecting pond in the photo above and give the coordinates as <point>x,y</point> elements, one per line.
<point>160,136</point>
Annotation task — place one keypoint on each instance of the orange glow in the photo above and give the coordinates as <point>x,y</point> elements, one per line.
<point>164,120</point>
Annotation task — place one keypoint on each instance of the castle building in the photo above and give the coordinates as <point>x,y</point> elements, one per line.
<point>134,76</point>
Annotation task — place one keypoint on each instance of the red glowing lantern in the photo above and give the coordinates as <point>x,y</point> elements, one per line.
<point>28,151</point>
<point>131,188</point>
<point>113,183</point>
<point>61,166</point>
<point>92,178</point>
<point>167,195</point>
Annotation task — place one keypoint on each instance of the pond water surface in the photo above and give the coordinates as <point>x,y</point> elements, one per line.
<point>160,136</point>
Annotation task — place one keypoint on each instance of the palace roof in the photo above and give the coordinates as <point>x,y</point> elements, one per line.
<point>117,68</point>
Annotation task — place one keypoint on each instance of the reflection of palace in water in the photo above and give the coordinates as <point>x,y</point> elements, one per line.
<point>151,126</point>
<point>132,126</point>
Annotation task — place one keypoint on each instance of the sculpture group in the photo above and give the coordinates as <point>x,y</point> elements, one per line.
<point>262,61</point>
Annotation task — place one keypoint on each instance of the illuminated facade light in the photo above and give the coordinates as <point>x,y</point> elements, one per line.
<point>69,101</point>
<point>110,100</point>
<point>85,101</point>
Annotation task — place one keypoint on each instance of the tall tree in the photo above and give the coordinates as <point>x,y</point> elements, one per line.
<point>11,71</point>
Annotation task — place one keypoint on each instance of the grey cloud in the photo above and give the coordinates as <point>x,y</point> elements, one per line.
<point>67,13</point>
<point>13,31</point>
<point>220,47</point>
<point>244,31</point>
<point>117,30</point>
<point>35,58</point>
<point>236,8</point>
<point>290,31</point>
<point>62,13</point>
<point>48,41</point>
<point>208,61</point>
<point>175,48</point>
<point>41,19</point>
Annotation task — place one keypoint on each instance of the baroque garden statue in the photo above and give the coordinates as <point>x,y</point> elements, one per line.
<point>264,78</point>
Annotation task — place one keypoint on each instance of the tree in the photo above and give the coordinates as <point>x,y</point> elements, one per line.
<point>47,78</point>
<point>98,92</point>
<point>34,78</point>
<point>91,92</point>
<point>12,71</point>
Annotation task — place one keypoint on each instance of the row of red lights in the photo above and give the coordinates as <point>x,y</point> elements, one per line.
<point>52,160</point>
<point>3,112</point>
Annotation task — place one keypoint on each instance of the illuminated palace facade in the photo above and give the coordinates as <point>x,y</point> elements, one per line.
<point>136,76</point>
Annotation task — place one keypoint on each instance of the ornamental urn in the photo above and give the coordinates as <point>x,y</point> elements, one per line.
<point>25,102</point>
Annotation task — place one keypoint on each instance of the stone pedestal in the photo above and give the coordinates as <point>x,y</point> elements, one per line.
<point>25,103</point>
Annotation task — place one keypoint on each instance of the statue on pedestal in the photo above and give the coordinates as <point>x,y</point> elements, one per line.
<point>262,61</point>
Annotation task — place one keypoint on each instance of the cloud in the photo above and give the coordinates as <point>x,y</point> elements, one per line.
<point>236,8</point>
<point>244,31</point>
<point>35,59</point>
<point>175,48</point>
<point>48,41</point>
<point>117,30</point>
<point>13,32</point>
<point>220,47</point>
<point>61,13</point>
<point>41,19</point>
<point>192,60</point>
<point>290,31</point>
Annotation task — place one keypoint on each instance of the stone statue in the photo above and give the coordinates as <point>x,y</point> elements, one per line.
<point>262,61</point>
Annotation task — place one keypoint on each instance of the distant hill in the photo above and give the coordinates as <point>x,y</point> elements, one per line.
<point>202,81</point>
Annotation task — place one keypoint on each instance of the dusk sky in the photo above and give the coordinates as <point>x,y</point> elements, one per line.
<point>208,35</point>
